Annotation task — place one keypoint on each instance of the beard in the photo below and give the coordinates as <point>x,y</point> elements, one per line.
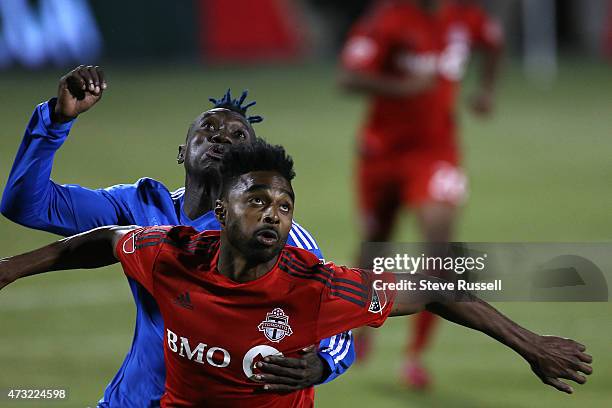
<point>253,250</point>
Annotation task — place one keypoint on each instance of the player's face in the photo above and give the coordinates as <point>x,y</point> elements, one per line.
<point>258,214</point>
<point>209,135</point>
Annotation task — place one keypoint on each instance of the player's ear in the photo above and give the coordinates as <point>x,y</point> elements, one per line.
<point>220,212</point>
<point>180,158</point>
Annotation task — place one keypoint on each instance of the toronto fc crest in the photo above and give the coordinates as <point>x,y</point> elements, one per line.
<point>276,326</point>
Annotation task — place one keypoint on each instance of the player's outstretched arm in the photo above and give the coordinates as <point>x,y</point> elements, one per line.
<point>551,358</point>
<point>91,249</point>
<point>30,197</point>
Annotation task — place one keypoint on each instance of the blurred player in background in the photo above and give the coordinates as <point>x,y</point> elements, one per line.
<point>408,57</point>
<point>32,199</point>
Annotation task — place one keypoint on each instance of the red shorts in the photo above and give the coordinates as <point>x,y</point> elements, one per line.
<point>412,179</point>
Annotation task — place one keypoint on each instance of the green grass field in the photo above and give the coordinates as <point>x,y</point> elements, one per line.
<point>540,170</point>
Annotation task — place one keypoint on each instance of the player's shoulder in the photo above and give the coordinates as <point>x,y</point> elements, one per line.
<point>182,237</point>
<point>144,186</point>
<point>151,185</point>
<point>299,259</point>
<point>301,237</point>
<point>152,234</point>
<point>188,238</point>
<point>134,238</point>
<point>178,193</point>
<point>300,263</point>
<point>304,268</point>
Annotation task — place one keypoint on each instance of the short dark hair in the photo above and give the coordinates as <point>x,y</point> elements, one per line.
<point>257,156</point>
<point>235,105</point>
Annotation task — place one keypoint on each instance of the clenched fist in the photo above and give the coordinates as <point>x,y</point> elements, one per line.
<point>78,90</point>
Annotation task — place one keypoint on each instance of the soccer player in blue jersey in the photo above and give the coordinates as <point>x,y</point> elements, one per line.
<point>30,198</point>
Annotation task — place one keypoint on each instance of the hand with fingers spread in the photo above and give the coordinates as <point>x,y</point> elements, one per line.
<point>284,374</point>
<point>555,358</point>
<point>78,91</point>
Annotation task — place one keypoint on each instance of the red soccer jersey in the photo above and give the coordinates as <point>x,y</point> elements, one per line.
<point>216,329</point>
<point>399,39</point>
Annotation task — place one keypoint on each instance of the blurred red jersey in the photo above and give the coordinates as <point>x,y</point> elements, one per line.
<point>216,328</point>
<point>398,39</point>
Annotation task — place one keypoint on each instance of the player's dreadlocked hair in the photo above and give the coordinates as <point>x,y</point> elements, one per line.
<point>244,158</point>
<point>236,105</point>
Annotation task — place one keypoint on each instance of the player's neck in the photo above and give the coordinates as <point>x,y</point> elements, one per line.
<point>200,195</point>
<point>233,265</point>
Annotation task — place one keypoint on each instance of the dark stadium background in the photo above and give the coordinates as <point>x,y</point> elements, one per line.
<point>540,170</point>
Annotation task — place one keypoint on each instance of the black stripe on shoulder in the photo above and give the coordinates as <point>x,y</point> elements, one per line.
<point>298,261</point>
<point>153,229</point>
<point>335,291</point>
<point>148,244</point>
<point>206,249</point>
<point>347,281</point>
<point>288,270</point>
<point>158,242</point>
<point>350,282</point>
<point>361,294</point>
<point>143,237</point>
<point>349,299</point>
<point>307,272</point>
<point>299,266</point>
<point>361,290</point>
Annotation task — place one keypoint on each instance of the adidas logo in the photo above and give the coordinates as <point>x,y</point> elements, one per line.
<point>184,300</point>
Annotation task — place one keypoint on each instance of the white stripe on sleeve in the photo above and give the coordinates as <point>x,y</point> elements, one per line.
<point>310,238</point>
<point>346,350</point>
<point>332,341</point>
<point>295,239</point>
<point>340,345</point>
<point>296,229</point>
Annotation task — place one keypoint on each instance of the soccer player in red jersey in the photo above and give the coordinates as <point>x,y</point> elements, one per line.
<point>33,199</point>
<point>409,57</point>
<point>232,301</point>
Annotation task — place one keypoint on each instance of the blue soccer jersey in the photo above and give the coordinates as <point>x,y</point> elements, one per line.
<point>30,198</point>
